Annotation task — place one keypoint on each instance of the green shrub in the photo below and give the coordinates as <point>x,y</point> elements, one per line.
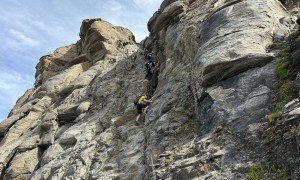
<point>278,107</point>
<point>285,92</point>
<point>256,172</point>
<point>272,118</point>
<point>201,169</point>
<point>294,131</point>
<point>188,153</point>
<point>170,160</point>
<point>272,45</point>
<point>102,170</point>
<point>282,66</point>
<point>281,70</point>
<point>284,52</point>
<point>180,131</point>
<point>177,150</point>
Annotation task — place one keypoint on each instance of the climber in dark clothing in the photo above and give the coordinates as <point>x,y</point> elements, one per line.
<point>150,59</point>
<point>148,71</point>
<point>149,64</point>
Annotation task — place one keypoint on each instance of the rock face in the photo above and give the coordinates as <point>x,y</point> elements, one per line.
<point>64,124</point>
<point>213,89</point>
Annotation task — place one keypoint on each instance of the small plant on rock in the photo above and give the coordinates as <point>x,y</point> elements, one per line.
<point>188,153</point>
<point>180,131</point>
<point>285,92</point>
<point>272,118</point>
<point>282,66</point>
<point>284,52</point>
<point>256,172</point>
<point>177,150</point>
<point>216,149</point>
<point>294,131</point>
<point>102,170</point>
<point>170,160</point>
<point>272,45</point>
<point>201,169</point>
<point>281,69</point>
<point>218,128</point>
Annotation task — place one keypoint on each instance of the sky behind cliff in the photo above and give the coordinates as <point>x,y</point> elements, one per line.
<point>33,28</point>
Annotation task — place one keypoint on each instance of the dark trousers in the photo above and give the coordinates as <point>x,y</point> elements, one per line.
<point>148,72</point>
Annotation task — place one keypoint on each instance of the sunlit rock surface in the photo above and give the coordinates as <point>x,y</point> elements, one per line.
<point>212,89</point>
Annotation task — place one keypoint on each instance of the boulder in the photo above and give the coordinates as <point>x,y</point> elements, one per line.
<point>23,164</point>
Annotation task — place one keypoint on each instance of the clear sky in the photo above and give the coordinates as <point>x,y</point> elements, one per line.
<point>30,29</point>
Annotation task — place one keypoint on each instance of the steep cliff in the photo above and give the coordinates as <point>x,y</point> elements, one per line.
<point>214,91</point>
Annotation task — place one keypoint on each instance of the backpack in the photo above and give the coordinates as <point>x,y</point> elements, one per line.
<point>136,101</point>
<point>148,58</point>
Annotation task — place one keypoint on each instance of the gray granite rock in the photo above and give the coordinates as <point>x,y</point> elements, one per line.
<point>212,91</point>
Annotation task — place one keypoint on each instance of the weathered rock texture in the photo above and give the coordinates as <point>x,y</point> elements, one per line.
<point>212,89</point>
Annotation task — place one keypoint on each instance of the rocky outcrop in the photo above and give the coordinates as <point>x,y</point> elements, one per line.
<point>213,89</point>
<point>283,139</point>
<point>72,104</point>
<point>218,72</point>
<point>282,135</point>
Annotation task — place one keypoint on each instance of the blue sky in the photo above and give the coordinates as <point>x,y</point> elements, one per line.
<point>30,29</point>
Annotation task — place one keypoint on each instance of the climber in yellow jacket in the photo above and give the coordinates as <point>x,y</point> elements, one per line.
<point>143,103</point>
